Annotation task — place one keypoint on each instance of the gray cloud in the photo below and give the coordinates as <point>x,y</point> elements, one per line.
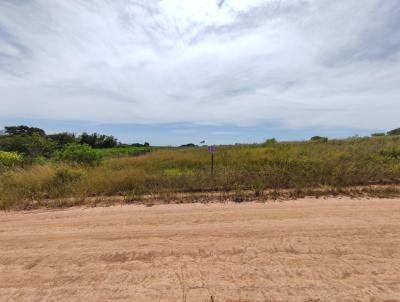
<point>304,63</point>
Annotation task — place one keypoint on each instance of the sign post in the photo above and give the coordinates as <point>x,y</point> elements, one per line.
<point>212,150</point>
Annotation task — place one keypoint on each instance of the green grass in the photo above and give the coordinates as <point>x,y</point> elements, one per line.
<point>126,150</point>
<point>273,166</point>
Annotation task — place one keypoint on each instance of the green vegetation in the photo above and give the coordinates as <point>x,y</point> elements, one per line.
<point>30,146</point>
<point>319,139</point>
<point>126,150</point>
<point>378,134</point>
<point>257,168</point>
<point>10,159</point>
<point>80,154</point>
<point>394,132</point>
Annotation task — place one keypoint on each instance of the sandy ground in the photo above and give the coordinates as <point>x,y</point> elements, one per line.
<point>305,250</point>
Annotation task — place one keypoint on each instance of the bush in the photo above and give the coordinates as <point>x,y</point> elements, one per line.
<point>81,154</point>
<point>10,159</point>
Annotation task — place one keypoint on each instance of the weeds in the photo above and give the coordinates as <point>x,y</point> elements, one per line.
<point>265,170</point>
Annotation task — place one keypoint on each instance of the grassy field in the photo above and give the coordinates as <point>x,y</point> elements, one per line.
<point>256,168</point>
<point>128,150</point>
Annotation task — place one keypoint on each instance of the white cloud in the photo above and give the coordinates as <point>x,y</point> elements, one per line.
<point>300,63</point>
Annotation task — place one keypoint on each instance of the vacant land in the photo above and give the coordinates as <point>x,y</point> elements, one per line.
<point>305,250</point>
<point>331,165</point>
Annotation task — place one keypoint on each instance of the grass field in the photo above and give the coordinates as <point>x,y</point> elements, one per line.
<point>256,168</point>
<point>128,150</point>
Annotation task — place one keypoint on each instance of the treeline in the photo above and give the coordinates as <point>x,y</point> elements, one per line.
<point>33,142</point>
<point>393,132</point>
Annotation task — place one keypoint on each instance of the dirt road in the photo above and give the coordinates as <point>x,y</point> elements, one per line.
<point>305,250</point>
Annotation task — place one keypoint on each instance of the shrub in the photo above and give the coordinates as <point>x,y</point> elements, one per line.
<point>10,159</point>
<point>81,154</point>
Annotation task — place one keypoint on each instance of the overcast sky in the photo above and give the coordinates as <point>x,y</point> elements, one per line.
<point>228,71</point>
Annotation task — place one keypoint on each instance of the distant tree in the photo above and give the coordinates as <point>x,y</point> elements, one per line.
<point>146,144</point>
<point>23,130</point>
<point>98,140</point>
<point>319,139</point>
<point>394,132</point>
<point>188,146</point>
<point>88,139</point>
<point>106,141</point>
<point>29,145</point>
<point>270,141</point>
<point>378,134</point>
<point>62,139</point>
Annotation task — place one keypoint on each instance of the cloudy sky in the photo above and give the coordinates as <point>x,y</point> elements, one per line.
<point>176,71</point>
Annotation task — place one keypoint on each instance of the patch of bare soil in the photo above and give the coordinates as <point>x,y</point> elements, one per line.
<point>304,250</point>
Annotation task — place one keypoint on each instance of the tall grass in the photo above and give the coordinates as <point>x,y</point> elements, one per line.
<point>338,163</point>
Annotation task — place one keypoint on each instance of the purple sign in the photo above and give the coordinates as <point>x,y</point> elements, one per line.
<point>212,149</point>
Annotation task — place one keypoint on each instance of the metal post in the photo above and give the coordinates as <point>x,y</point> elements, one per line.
<point>212,164</point>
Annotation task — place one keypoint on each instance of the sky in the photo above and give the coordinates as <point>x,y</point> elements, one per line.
<point>181,71</point>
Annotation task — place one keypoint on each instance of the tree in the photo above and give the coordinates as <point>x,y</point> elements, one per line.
<point>88,139</point>
<point>106,141</point>
<point>32,145</point>
<point>98,140</point>
<point>146,144</point>
<point>319,139</point>
<point>23,130</point>
<point>394,132</point>
<point>188,146</point>
<point>270,141</point>
<point>378,134</point>
<point>62,139</point>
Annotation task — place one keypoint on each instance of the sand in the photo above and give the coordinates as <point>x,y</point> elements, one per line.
<point>304,250</point>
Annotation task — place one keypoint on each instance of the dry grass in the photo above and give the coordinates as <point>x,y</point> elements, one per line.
<point>271,168</point>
